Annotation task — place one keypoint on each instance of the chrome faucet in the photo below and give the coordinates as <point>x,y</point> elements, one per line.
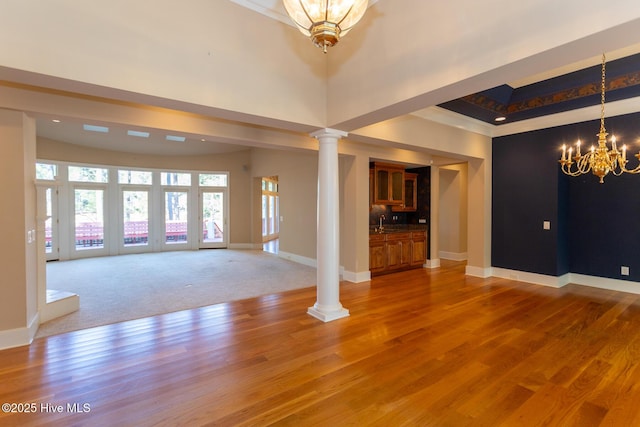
<point>381,227</point>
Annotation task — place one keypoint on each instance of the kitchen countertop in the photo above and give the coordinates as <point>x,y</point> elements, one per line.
<point>398,228</point>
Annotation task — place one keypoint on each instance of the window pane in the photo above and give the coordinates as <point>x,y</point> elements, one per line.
<point>136,217</point>
<point>46,171</point>
<point>48,223</point>
<point>85,174</point>
<point>175,216</point>
<point>89,217</point>
<point>212,211</point>
<point>265,214</point>
<point>135,177</point>
<point>213,180</point>
<point>272,213</point>
<point>175,178</point>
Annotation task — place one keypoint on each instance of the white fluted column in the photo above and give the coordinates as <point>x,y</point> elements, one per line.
<point>327,306</point>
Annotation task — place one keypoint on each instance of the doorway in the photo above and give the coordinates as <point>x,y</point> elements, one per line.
<point>452,225</point>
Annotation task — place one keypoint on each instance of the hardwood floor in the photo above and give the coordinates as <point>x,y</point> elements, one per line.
<point>422,347</point>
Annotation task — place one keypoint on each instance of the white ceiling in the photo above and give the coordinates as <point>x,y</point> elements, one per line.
<point>117,139</point>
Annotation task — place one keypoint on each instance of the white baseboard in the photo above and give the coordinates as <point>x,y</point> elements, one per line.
<point>59,308</point>
<point>349,276</point>
<point>453,256</point>
<point>245,245</point>
<point>354,277</point>
<point>605,283</point>
<point>432,263</point>
<point>299,259</point>
<point>19,336</point>
<point>560,281</point>
<point>482,272</point>
<point>525,276</point>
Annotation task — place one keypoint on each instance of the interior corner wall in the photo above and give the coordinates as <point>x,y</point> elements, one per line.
<point>594,229</point>
<point>18,254</point>
<point>479,216</point>
<point>354,216</point>
<point>297,173</point>
<point>453,206</point>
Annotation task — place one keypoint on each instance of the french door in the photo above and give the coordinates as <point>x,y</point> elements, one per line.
<point>213,219</point>
<point>109,210</point>
<point>176,234</point>
<point>135,230</point>
<point>89,221</point>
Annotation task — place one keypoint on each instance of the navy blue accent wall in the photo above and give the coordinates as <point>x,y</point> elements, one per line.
<point>595,228</point>
<point>525,194</point>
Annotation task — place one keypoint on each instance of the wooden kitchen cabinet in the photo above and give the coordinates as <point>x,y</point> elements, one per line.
<point>410,202</point>
<point>388,184</point>
<point>396,251</point>
<point>377,253</point>
<point>419,248</point>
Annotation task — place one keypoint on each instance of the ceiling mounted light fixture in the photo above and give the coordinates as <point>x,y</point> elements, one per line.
<point>325,21</point>
<point>598,160</point>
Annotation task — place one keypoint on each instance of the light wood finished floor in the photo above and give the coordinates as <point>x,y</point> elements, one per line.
<point>421,348</point>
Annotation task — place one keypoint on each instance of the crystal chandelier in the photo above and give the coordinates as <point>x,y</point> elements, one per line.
<point>598,160</point>
<point>325,21</point>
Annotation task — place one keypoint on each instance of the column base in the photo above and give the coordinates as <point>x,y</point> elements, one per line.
<point>328,316</point>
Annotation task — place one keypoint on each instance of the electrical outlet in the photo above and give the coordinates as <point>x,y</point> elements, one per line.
<point>624,270</point>
<point>546,225</point>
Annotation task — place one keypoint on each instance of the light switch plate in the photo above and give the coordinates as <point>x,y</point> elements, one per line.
<point>546,225</point>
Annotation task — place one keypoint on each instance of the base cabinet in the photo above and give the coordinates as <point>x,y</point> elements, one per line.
<point>377,253</point>
<point>418,248</point>
<point>392,252</point>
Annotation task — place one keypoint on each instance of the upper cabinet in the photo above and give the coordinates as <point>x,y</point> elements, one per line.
<point>410,203</point>
<point>389,184</point>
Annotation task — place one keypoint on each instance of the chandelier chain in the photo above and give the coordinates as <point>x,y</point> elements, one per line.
<point>602,89</point>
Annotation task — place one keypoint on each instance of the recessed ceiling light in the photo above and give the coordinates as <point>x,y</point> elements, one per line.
<point>55,121</point>
<point>500,119</point>
<point>93,128</point>
<point>175,138</point>
<point>138,133</point>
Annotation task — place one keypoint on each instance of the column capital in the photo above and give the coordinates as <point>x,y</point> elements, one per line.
<point>328,132</point>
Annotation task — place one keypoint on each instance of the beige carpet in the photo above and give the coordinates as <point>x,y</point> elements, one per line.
<point>126,287</point>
